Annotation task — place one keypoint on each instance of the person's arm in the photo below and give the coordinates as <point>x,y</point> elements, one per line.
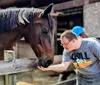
<point>57,68</point>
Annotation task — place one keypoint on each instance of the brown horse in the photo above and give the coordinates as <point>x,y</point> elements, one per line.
<point>35,25</point>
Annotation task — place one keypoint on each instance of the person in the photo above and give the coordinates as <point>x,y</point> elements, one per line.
<point>85,55</point>
<point>79,32</point>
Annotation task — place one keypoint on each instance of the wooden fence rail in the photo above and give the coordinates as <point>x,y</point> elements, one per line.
<point>67,82</point>
<point>10,66</point>
<point>17,65</point>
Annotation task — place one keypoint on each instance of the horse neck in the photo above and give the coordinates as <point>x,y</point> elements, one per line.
<point>8,39</point>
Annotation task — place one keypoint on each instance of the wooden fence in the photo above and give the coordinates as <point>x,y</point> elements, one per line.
<point>67,82</point>
<point>10,66</point>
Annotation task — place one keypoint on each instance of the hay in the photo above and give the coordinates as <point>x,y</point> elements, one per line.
<point>24,83</point>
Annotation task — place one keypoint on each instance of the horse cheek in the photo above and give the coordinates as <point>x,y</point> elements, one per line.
<point>40,48</point>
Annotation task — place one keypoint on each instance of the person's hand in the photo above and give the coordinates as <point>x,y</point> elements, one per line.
<point>42,68</point>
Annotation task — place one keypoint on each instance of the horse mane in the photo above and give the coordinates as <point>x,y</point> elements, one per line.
<point>10,18</point>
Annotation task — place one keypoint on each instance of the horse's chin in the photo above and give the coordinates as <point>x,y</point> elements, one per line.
<point>45,63</point>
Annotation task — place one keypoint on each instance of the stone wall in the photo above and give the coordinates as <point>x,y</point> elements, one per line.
<point>92,19</point>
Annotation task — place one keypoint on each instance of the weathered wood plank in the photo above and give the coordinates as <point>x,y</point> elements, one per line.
<point>17,65</point>
<point>67,82</point>
<point>2,81</point>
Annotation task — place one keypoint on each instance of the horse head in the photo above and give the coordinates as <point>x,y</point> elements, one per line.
<point>40,35</point>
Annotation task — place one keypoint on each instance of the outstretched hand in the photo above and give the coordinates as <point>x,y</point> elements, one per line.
<point>42,68</point>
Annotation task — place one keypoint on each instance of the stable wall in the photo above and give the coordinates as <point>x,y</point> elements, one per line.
<point>92,19</point>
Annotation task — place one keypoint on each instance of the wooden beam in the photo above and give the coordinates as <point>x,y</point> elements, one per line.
<point>4,2</point>
<point>66,82</point>
<point>70,4</point>
<point>17,65</point>
<point>74,3</point>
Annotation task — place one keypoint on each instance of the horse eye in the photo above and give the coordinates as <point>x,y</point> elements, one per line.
<point>45,31</point>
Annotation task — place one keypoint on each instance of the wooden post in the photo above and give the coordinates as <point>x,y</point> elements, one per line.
<point>9,55</point>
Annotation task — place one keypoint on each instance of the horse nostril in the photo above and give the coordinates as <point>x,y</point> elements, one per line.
<point>49,62</point>
<point>45,63</point>
<point>40,63</point>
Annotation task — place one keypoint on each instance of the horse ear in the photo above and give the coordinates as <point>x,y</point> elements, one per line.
<point>48,10</point>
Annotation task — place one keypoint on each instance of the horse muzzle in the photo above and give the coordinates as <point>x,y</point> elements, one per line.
<point>45,63</point>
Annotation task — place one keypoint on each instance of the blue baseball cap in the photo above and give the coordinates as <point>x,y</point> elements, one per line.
<point>78,30</point>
